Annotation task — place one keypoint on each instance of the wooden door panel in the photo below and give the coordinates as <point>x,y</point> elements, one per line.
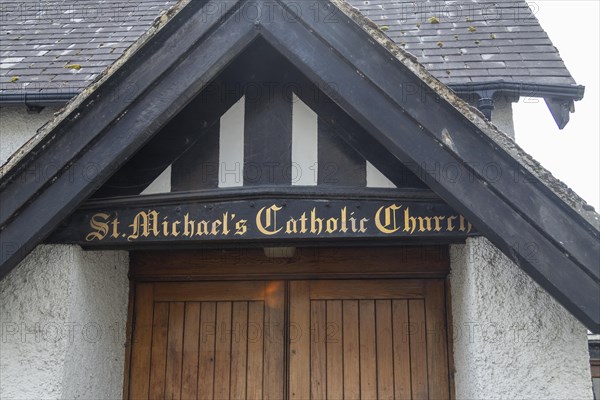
<point>191,346</point>
<point>195,344</point>
<point>318,350</point>
<point>368,340</point>
<point>141,341</point>
<point>401,351</point>
<point>158,361</point>
<point>206,357</point>
<point>349,339</point>
<point>367,346</point>
<point>385,344</point>
<point>351,344</point>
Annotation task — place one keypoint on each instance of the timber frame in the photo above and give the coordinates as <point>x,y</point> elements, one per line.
<point>417,120</point>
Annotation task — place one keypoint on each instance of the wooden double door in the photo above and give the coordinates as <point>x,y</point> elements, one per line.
<point>290,339</point>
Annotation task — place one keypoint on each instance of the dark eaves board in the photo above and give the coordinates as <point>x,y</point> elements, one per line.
<point>366,77</point>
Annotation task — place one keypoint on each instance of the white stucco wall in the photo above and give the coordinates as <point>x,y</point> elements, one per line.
<point>62,315</point>
<point>17,126</point>
<point>33,301</point>
<point>511,339</point>
<point>502,115</point>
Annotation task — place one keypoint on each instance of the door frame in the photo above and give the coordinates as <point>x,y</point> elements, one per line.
<point>378,262</point>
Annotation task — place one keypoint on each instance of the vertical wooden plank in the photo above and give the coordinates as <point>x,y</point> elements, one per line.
<point>339,164</point>
<point>206,358</point>
<point>267,139</point>
<point>437,353</point>
<point>198,167</point>
<point>299,368</point>
<point>368,361</point>
<point>418,349</point>
<point>142,341</point>
<point>318,349</point>
<point>159,350</point>
<point>351,350</point>
<point>255,335</point>
<point>174,350</point>
<point>223,350</point>
<point>401,349</point>
<point>274,371</point>
<point>191,336</point>
<point>385,350</point>
<point>335,346</point>
<point>239,326</point>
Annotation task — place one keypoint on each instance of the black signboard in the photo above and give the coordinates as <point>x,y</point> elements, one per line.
<point>265,219</point>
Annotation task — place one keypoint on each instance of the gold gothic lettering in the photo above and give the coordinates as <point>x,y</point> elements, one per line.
<point>320,220</point>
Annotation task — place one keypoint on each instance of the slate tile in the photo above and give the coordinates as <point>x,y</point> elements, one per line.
<point>50,34</point>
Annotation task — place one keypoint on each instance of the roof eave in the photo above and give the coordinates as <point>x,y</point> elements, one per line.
<point>573,92</point>
<point>36,99</point>
<point>559,98</point>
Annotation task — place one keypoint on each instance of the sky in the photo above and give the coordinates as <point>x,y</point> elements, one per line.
<point>571,154</point>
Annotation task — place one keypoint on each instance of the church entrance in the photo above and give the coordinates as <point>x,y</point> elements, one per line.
<point>319,330</point>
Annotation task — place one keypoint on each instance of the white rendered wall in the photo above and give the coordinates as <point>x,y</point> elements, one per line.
<point>17,126</point>
<point>231,146</point>
<point>305,138</point>
<point>62,316</point>
<point>502,115</point>
<point>511,339</point>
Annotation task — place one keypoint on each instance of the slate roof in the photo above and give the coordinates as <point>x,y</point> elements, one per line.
<point>468,41</point>
<point>62,46</point>
<point>39,40</point>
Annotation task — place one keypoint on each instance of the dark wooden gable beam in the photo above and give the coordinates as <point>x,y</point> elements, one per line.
<point>521,216</point>
<point>267,125</point>
<point>95,142</point>
<point>339,163</point>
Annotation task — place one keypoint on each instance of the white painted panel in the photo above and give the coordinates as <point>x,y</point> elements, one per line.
<point>162,184</point>
<point>231,146</point>
<point>376,179</point>
<point>304,145</point>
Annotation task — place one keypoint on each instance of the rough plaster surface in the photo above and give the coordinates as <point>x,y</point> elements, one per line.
<point>33,300</point>
<point>502,115</point>
<point>511,339</point>
<point>63,313</point>
<point>17,126</point>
